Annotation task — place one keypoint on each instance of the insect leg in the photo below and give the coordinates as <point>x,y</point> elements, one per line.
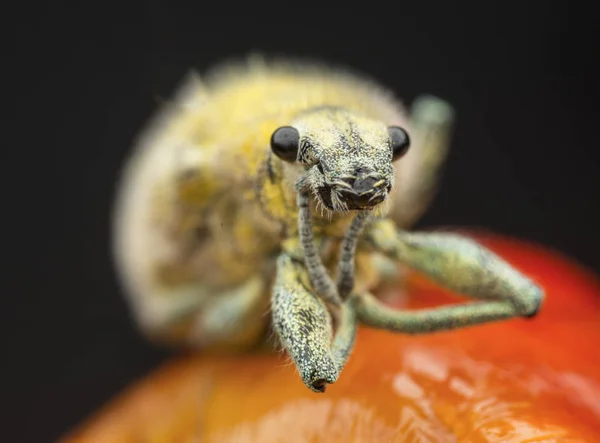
<point>317,273</point>
<point>461,265</point>
<point>305,328</point>
<point>345,335</point>
<point>374,313</point>
<point>195,315</point>
<point>233,317</point>
<point>418,171</point>
<point>348,249</point>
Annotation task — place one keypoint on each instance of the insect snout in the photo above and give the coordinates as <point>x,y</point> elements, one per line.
<point>364,190</point>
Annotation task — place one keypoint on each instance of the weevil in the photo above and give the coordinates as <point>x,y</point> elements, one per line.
<point>278,195</point>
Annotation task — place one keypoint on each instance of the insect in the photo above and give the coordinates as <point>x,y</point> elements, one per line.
<point>277,196</point>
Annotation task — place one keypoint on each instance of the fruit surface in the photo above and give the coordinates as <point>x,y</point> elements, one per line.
<point>534,380</point>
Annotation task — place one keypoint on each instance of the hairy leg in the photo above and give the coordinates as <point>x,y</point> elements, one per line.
<point>461,265</point>
<point>197,316</point>
<point>232,318</point>
<point>317,273</point>
<point>348,249</point>
<point>344,336</point>
<point>372,312</point>
<point>305,328</point>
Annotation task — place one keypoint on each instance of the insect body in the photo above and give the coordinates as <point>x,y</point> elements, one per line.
<point>287,188</point>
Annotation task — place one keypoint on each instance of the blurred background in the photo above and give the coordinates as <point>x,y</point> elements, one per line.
<point>525,158</point>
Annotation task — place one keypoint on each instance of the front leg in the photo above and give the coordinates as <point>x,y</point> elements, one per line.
<point>317,273</point>
<point>305,328</point>
<point>461,265</point>
<point>347,253</point>
<point>375,314</point>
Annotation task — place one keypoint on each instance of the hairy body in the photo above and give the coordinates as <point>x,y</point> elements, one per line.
<point>214,223</point>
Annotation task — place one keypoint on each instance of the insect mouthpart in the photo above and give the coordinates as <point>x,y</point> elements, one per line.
<point>355,192</point>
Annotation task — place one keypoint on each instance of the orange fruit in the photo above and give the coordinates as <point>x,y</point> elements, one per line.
<point>523,380</point>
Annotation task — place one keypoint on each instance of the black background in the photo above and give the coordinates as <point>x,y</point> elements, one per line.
<point>525,162</point>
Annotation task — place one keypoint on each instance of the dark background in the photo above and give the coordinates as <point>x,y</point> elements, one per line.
<point>525,162</point>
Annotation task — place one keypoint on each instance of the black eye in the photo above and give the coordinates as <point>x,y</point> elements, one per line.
<point>400,141</point>
<point>284,143</point>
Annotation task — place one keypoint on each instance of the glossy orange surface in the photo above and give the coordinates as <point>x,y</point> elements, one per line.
<point>517,381</point>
